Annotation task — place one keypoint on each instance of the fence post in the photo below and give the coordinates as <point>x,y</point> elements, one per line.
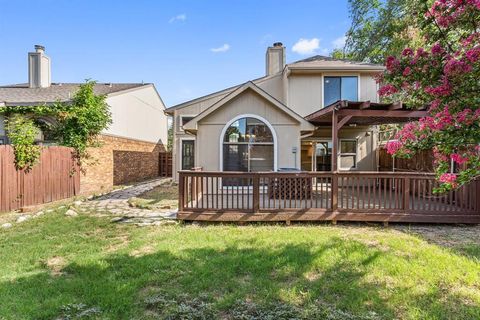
<point>477,191</point>
<point>406,194</point>
<point>181,191</point>
<point>334,185</point>
<point>256,192</point>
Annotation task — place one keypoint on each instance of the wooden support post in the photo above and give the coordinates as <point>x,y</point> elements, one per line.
<point>406,194</point>
<point>287,222</point>
<point>334,222</point>
<point>256,193</point>
<point>334,161</point>
<point>181,191</point>
<point>385,224</point>
<point>477,192</point>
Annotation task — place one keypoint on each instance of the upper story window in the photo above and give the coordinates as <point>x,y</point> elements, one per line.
<point>339,88</point>
<point>184,120</point>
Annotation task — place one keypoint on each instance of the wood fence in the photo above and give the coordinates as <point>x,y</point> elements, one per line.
<point>165,164</point>
<point>420,162</point>
<point>55,177</point>
<point>355,196</point>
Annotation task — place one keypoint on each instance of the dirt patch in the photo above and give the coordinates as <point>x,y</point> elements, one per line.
<point>142,251</point>
<point>56,265</point>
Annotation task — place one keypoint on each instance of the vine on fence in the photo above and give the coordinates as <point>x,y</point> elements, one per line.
<point>77,124</point>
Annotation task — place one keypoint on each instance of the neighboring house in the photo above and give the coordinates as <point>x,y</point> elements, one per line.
<point>261,125</point>
<point>130,147</point>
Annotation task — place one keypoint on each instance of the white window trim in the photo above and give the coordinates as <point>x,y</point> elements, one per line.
<point>339,156</point>
<point>357,74</point>
<point>194,153</point>
<point>248,115</point>
<point>180,126</point>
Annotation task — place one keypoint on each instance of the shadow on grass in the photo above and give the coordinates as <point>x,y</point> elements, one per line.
<point>282,282</point>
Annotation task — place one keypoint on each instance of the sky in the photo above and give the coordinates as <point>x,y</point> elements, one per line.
<point>187,48</point>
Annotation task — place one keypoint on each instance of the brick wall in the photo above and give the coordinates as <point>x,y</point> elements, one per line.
<point>119,161</point>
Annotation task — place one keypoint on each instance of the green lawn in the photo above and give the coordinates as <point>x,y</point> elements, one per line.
<point>58,267</point>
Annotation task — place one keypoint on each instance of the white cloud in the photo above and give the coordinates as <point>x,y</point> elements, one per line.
<point>179,17</point>
<point>223,48</point>
<point>306,46</point>
<point>339,43</point>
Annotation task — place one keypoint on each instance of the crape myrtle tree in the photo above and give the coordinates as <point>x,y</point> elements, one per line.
<point>443,76</point>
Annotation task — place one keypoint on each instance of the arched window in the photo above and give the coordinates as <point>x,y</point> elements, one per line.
<point>248,145</point>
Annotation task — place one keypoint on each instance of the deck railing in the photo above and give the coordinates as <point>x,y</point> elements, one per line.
<point>370,196</point>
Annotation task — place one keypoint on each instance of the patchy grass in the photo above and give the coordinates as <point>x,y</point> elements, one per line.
<point>58,267</point>
<point>164,196</point>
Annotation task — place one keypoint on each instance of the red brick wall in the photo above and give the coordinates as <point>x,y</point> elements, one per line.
<point>119,161</point>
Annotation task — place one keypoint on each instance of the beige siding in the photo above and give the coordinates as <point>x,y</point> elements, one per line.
<point>305,93</point>
<point>368,87</point>
<point>138,114</point>
<point>273,86</point>
<point>210,128</point>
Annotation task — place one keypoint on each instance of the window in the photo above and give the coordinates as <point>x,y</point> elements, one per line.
<point>184,120</point>
<point>188,154</point>
<point>248,146</point>
<point>348,154</point>
<point>340,88</point>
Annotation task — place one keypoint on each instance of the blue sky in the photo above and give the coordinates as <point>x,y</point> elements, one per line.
<point>188,48</point>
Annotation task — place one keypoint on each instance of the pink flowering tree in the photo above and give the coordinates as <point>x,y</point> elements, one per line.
<point>445,78</point>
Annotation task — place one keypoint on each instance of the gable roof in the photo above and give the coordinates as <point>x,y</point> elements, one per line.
<point>217,93</point>
<point>22,94</point>
<point>329,63</point>
<point>192,124</point>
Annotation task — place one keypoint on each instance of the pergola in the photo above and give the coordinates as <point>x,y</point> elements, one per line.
<point>364,113</point>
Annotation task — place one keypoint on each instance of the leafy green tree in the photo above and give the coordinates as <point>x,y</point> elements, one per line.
<point>382,27</point>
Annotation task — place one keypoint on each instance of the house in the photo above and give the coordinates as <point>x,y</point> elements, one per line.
<point>213,132</point>
<point>134,139</point>
<point>301,143</point>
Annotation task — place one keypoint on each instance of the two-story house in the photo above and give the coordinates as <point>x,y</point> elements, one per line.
<point>261,125</point>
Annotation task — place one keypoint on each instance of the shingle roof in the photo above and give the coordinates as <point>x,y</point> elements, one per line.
<point>319,61</point>
<point>21,94</point>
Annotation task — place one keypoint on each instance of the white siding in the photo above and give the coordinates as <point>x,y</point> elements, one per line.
<point>138,114</point>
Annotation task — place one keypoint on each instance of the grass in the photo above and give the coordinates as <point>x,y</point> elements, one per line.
<point>164,196</point>
<point>85,267</point>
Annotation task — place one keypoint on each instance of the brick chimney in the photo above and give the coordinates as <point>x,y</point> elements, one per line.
<point>275,59</point>
<point>39,68</point>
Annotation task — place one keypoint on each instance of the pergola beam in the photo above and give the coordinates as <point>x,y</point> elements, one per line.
<point>365,105</point>
<point>344,120</point>
<point>383,113</point>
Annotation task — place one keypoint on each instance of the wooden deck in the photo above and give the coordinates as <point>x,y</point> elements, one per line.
<point>317,196</point>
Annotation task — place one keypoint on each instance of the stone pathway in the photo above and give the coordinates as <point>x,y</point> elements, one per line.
<point>116,204</point>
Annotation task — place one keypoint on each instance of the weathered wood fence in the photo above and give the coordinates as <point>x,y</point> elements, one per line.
<point>165,164</point>
<point>419,162</point>
<point>55,177</point>
<point>356,196</point>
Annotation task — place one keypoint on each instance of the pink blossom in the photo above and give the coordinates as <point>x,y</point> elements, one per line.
<point>458,158</point>
<point>437,49</point>
<point>448,178</point>
<point>473,54</point>
<point>393,146</point>
<point>442,90</point>
<point>407,71</point>
<point>392,63</point>
<point>456,67</point>
<point>407,52</point>
<point>387,90</point>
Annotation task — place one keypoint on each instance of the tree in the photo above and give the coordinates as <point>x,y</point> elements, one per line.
<point>444,77</point>
<point>380,28</point>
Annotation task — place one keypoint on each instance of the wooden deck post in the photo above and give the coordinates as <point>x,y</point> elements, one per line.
<point>181,191</point>
<point>406,194</point>
<point>477,191</point>
<point>256,193</point>
<point>334,160</point>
